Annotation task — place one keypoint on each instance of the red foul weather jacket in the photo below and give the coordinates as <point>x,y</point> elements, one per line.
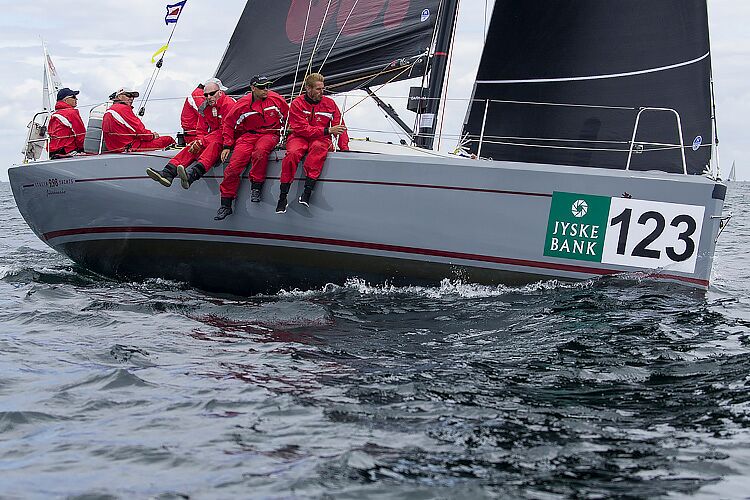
<point>255,117</point>
<point>66,130</point>
<point>212,117</point>
<point>310,120</point>
<point>121,127</point>
<point>190,111</point>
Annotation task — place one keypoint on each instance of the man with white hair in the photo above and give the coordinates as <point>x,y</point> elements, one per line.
<point>123,131</point>
<point>207,146</point>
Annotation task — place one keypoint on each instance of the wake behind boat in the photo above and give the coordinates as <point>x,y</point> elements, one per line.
<point>594,171</point>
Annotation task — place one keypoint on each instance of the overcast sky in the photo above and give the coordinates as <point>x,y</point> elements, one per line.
<point>98,46</point>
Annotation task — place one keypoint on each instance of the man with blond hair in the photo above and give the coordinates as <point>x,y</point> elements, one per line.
<point>315,120</point>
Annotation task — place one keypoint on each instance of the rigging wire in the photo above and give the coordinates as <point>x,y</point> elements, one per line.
<point>154,75</point>
<point>443,98</point>
<point>320,32</point>
<point>381,86</point>
<point>320,69</point>
<point>717,165</point>
<point>301,46</point>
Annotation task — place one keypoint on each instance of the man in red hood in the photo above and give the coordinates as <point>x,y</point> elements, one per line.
<point>66,130</point>
<point>123,131</point>
<point>206,147</point>
<point>190,114</point>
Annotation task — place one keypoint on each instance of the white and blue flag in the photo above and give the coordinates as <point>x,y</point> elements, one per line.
<point>173,12</point>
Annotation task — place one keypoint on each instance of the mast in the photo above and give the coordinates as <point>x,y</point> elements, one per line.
<point>438,66</point>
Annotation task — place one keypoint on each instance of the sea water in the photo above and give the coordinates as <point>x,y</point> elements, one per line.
<point>619,386</point>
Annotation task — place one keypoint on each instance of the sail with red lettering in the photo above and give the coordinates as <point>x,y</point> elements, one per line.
<point>354,43</point>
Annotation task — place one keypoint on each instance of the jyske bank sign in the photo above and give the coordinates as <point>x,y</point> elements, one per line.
<point>624,231</point>
<point>576,226</point>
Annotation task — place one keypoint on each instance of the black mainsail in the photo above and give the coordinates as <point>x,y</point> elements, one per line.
<point>613,56</point>
<point>363,42</point>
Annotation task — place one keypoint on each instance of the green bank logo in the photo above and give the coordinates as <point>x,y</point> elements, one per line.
<point>577,226</point>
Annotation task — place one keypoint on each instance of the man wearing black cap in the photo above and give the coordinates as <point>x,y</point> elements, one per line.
<point>66,130</point>
<point>251,131</point>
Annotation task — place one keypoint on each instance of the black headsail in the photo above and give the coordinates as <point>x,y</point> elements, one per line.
<point>613,55</point>
<point>363,42</point>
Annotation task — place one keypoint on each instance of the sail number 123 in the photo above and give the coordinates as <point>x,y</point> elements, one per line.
<point>653,234</point>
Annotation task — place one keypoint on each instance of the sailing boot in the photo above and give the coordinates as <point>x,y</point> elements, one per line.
<point>192,174</point>
<point>309,186</point>
<point>281,205</point>
<point>256,191</point>
<point>165,176</point>
<point>225,209</point>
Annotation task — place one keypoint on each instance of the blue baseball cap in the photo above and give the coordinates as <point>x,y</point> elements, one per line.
<point>66,92</point>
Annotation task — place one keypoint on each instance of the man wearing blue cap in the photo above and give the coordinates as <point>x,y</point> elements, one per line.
<point>66,130</point>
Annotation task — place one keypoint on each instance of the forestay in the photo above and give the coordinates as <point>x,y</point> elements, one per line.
<point>614,57</point>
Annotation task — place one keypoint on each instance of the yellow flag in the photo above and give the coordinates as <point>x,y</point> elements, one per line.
<point>163,49</point>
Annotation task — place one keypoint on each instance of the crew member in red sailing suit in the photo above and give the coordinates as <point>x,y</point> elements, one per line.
<point>190,114</point>
<point>123,131</point>
<point>313,118</point>
<point>66,130</point>
<point>206,148</point>
<point>251,132</point>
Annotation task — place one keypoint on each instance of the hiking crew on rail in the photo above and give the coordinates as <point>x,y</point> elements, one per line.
<point>216,129</point>
<point>313,118</point>
<point>251,132</point>
<point>206,147</point>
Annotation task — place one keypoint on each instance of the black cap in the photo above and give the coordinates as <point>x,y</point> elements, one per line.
<point>66,92</point>
<point>260,81</point>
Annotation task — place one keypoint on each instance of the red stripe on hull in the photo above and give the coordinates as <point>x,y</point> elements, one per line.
<point>351,181</point>
<point>358,244</point>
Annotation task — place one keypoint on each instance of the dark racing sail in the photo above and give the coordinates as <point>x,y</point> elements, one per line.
<point>613,56</point>
<point>363,42</point>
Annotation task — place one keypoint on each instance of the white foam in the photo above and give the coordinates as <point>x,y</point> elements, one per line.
<point>447,288</point>
<point>9,270</point>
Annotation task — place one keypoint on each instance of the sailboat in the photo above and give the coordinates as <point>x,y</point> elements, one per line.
<point>585,152</point>
<point>732,175</point>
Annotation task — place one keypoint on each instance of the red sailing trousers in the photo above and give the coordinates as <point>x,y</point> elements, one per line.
<point>296,147</point>
<point>154,144</point>
<point>248,148</point>
<point>208,154</point>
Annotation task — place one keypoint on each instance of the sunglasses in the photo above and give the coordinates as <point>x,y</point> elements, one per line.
<point>210,94</point>
<point>72,97</point>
